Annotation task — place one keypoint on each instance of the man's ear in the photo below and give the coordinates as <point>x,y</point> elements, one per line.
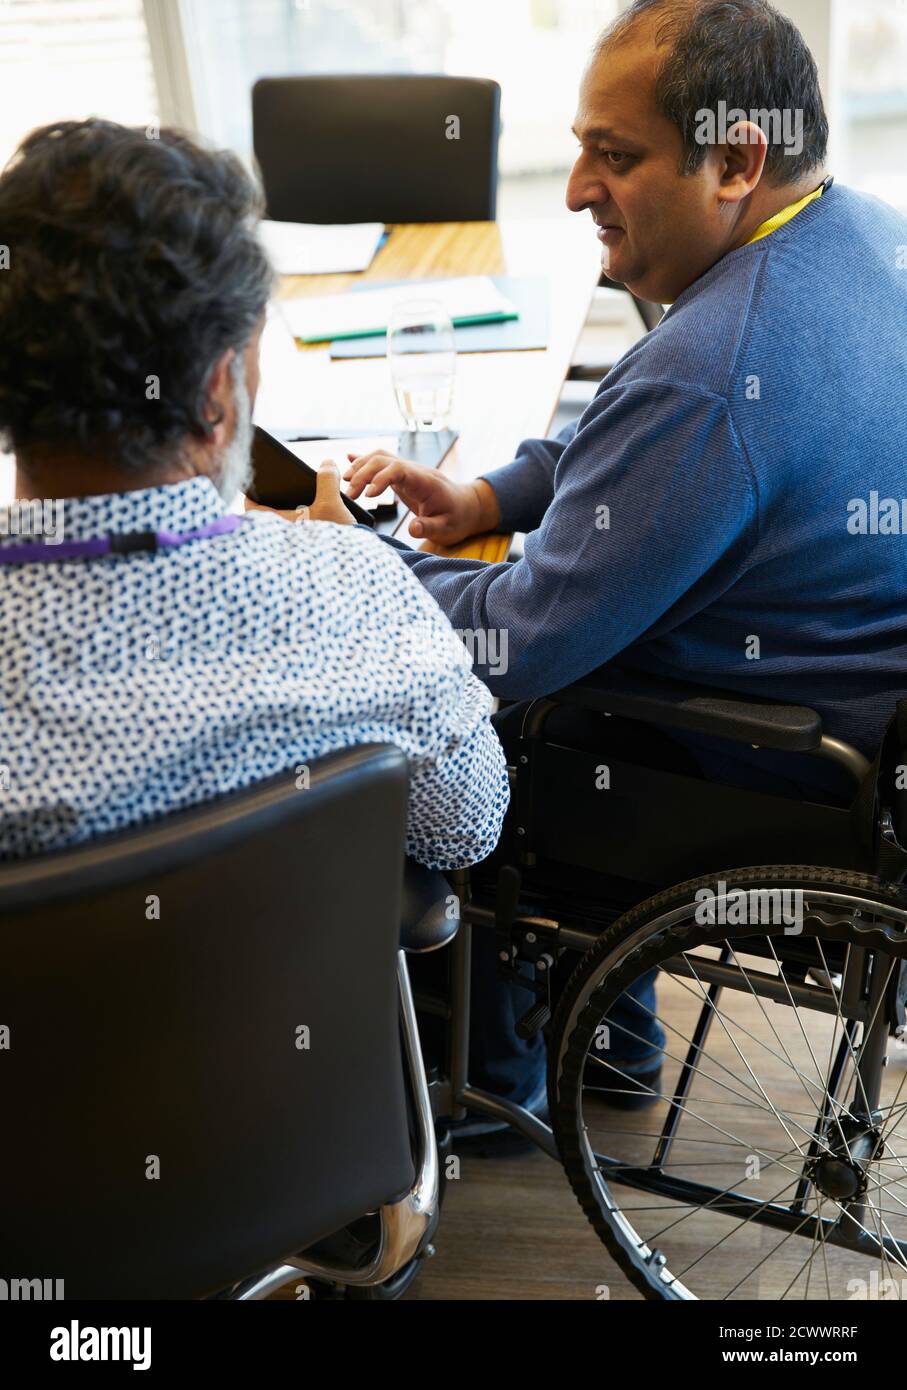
<point>219,399</point>
<point>741,161</point>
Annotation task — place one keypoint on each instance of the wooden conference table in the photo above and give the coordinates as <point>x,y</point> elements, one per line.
<point>500,398</point>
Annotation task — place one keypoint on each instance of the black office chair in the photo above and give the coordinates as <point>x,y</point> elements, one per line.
<point>213,1064</point>
<point>376,148</point>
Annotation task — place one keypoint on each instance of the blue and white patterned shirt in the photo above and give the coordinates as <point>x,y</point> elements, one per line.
<point>137,684</point>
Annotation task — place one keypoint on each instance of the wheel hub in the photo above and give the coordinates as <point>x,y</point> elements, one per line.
<point>840,1172</point>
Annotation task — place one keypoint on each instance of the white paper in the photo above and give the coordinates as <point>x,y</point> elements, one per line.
<point>315,451</point>
<point>288,379</point>
<point>298,390</point>
<point>319,318</point>
<point>308,248</point>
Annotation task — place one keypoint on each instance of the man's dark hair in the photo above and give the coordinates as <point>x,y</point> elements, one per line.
<point>129,258</point>
<point>741,52</point>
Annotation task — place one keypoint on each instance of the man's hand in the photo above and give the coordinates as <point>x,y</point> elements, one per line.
<point>328,504</point>
<point>443,511</point>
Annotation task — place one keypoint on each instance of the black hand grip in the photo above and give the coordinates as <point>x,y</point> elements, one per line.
<point>534,1019</point>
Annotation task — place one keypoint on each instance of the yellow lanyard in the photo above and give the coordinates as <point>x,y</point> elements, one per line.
<point>785,215</point>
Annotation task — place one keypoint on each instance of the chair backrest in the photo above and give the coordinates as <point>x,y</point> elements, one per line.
<point>203,1072</point>
<point>366,148</point>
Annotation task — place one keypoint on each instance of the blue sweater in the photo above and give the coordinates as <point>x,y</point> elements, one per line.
<point>704,518</point>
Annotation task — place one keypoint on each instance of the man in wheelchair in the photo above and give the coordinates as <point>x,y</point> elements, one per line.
<point>696,522</point>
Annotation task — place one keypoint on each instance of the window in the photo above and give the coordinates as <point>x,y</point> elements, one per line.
<point>67,59</point>
<point>535,49</point>
<point>872,107</point>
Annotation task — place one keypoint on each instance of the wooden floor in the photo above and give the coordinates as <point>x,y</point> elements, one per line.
<point>511,1228</point>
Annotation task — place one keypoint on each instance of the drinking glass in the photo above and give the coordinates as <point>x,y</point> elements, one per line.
<point>422,359</point>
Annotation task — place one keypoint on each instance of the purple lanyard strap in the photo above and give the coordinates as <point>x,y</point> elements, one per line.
<point>127,544</point>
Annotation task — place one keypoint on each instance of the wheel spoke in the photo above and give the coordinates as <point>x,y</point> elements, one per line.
<point>743,1220</point>
<point>807,1081</point>
<point>674,1058</point>
<point>800,1076</point>
<point>762,1090</point>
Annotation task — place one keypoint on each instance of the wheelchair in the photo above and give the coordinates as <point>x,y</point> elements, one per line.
<point>770,1159</point>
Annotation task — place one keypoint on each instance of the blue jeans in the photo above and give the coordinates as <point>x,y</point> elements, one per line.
<point>504,1064</point>
<point>499,1060</point>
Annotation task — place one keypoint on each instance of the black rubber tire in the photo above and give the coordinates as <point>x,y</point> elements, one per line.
<point>567,1055</point>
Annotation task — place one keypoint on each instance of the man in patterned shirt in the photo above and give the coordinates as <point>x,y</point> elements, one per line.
<point>132,298</point>
<point>136,684</point>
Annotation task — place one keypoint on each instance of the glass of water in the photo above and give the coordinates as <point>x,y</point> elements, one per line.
<point>422,359</point>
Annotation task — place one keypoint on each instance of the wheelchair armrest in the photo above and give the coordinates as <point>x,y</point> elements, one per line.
<point>426,924</point>
<point>697,708</point>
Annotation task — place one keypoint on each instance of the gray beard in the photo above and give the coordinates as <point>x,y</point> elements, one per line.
<point>236,464</point>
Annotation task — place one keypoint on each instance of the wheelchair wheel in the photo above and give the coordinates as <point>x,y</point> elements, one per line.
<point>770,1160</point>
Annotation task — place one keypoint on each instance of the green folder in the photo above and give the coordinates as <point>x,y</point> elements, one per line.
<point>461,321</point>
